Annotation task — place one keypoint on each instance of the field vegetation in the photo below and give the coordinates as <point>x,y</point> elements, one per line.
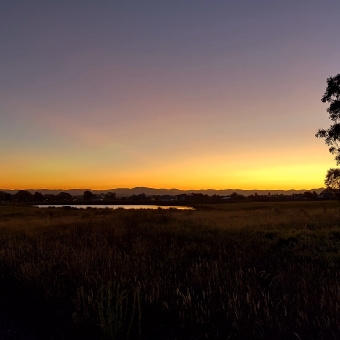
<point>229,271</point>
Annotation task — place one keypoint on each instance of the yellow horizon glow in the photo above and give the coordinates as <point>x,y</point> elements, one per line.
<point>91,159</point>
<point>193,174</point>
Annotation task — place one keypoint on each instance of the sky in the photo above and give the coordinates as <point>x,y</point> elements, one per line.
<point>188,94</point>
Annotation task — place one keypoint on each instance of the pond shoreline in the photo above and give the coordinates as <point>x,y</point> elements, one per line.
<point>117,202</point>
<point>113,206</point>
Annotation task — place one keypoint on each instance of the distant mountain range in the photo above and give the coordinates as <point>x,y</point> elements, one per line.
<point>125,192</point>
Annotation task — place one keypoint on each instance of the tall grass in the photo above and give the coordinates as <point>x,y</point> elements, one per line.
<point>240,271</point>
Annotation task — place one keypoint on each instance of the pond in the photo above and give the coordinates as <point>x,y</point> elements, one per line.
<point>115,206</point>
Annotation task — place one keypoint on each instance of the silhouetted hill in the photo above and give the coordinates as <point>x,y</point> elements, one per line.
<point>124,192</point>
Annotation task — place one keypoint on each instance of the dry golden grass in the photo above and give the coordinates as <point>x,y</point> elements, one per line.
<point>237,271</point>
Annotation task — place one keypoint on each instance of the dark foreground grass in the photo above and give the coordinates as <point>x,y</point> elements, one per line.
<point>241,271</point>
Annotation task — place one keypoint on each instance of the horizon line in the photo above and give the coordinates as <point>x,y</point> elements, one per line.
<point>142,187</point>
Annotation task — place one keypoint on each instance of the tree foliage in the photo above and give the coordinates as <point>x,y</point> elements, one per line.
<point>332,181</point>
<point>332,134</point>
<point>88,195</point>
<point>23,196</point>
<point>3,196</point>
<point>38,197</point>
<point>64,196</point>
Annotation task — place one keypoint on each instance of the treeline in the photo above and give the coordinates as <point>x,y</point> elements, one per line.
<point>194,198</point>
<point>27,196</point>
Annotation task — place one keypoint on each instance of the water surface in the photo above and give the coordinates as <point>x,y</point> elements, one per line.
<point>116,206</point>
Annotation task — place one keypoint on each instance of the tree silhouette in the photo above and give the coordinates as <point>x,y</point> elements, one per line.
<point>88,195</point>
<point>38,197</point>
<point>64,196</point>
<point>332,181</point>
<point>2,196</point>
<point>23,196</point>
<point>332,134</point>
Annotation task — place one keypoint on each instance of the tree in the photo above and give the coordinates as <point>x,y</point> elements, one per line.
<point>332,181</point>
<point>2,196</point>
<point>310,195</point>
<point>332,134</point>
<point>88,195</point>
<point>38,197</point>
<point>110,196</point>
<point>23,196</point>
<point>64,196</point>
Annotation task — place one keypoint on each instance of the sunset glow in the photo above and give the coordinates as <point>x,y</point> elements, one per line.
<point>189,95</point>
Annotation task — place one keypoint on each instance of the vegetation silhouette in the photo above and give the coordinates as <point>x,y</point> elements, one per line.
<point>332,134</point>
<point>251,270</point>
<point>23,196</point>
<point>88,195</point>
<point>332,181</point>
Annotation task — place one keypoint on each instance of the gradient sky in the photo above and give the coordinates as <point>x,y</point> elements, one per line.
<point>191,94</point>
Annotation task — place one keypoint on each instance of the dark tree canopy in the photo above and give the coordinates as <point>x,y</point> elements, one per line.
<point>38,197</point>
<point>64,196</point>
<point>332,181</point>
<point>332,134</point>
<point>3,196</point>
<point>88,195</point>
<point>23,196</point>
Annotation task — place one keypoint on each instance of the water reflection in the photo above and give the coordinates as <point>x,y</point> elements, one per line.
<point>111,206</point>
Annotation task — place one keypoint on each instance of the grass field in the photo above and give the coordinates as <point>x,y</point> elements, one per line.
<point>231,271</point>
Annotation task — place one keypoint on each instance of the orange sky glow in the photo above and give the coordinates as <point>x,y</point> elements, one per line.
<point>188,95</point>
